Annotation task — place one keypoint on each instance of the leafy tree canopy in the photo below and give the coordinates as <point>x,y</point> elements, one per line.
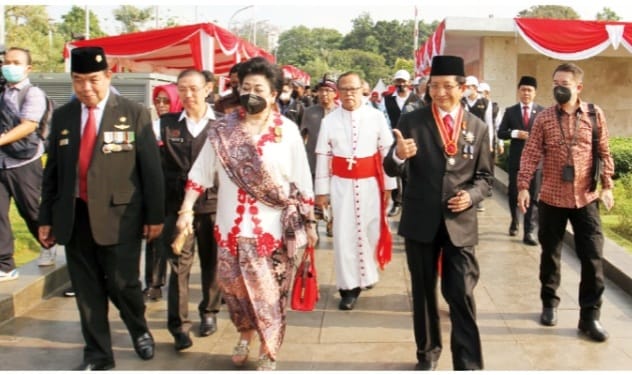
<point>549,11</point>
<point>607,14</point>
<point>132,17</point>
<point>74,23</point>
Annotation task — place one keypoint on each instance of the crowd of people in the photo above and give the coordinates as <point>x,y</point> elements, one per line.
<point>244,177</point>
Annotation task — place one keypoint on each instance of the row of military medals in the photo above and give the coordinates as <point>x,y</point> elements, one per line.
<point>117,141</point>
<point>450,144</point>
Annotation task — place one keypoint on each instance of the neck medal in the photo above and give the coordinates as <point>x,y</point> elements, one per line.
<point>449,143</point>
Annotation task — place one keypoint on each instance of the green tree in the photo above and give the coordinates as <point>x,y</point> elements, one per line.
<point>301,45</point>
<point>74,23</point>
<point>29,26</point>
<point>362,35</point>
<point>132,17</point>
<point>369,65</point>
<point>607,14</point>
<point>549,11</point>
<point>406,64</point>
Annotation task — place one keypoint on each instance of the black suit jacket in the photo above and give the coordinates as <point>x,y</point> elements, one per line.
<point>125,189</point>
<point>512,120</point>
<point>392,109</point>
<point>432,181</point>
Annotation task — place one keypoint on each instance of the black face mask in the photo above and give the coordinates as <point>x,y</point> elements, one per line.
<point>401,88</point>
<point>562,94</point>
<point>252,103</point>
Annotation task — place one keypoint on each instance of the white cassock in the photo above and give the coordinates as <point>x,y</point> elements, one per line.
<point>355,202</point>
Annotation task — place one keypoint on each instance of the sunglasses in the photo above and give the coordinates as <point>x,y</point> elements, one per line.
<point>162,101</point>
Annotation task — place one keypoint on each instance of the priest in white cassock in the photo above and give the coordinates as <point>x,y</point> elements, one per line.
<point>352,143</point>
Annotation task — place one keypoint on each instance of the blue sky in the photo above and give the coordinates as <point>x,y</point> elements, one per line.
<point>331,14</point>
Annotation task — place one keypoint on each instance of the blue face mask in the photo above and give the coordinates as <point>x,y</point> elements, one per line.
<point>13,73</point>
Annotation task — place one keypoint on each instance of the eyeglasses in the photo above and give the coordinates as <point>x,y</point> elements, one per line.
<point>160,100</point>
<point>348,89</point>
<point>437,87</point>
<point>193,89</point>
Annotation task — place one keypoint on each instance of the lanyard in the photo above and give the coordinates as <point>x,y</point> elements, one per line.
<point>570,145</point>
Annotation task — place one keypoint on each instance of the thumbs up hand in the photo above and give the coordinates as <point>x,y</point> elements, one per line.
<point>406,147</point>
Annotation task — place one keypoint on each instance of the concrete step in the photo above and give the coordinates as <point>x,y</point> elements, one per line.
<point>34,284</point>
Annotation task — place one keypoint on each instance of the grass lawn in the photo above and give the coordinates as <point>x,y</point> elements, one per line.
<point>609,222</point>
<point>26,247</point>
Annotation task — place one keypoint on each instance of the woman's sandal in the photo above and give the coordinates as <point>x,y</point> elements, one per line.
<point>266,363</point>
<point>240,353</point>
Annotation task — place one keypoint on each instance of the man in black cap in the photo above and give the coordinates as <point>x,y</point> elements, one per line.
<point>446,153</point>
<point>516,125</point>
<point>102,192</point>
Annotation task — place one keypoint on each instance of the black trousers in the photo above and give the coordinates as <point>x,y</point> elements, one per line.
<point>460,273</point>
<point>530,218</point>
<point>155,263</point>
<point>178,298</point>
<point>23,184</point>
<point>586,224</point>
<point>101,272</point>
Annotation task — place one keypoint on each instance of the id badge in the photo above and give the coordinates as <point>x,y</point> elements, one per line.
<point>568,173</point>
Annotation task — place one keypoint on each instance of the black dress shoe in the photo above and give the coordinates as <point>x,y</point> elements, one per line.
<point>394,210</point>
<point>95,366</point>
<point>593,329</point>
<point>208,326</point>
<point>182,341</point>
<point>426,365</point>
<point>549,316</point>
<point>529,239</point>
<point>144,346</point>
<point>347,302</point>
<point>154,294</point>
<point>513,232</point>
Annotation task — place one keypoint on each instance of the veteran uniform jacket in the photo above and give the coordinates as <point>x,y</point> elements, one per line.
<point>125,179</point>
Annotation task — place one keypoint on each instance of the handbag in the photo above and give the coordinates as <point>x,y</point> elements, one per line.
<point>305,292</point>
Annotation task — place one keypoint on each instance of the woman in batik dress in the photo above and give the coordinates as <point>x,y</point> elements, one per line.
<point>264,212</point>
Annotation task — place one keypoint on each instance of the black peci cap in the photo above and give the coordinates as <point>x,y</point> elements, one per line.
<point>87,60</point>
<point>528,81</point>
<point>447,66</point>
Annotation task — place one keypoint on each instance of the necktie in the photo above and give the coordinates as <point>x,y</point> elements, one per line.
<point>447,120</point>
<point>88,139</point>
<point>525,116</point>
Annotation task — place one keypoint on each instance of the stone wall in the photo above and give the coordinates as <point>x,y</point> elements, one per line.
<point>606,77</point>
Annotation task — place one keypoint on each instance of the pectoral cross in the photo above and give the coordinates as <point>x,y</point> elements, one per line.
<point>350,163</point>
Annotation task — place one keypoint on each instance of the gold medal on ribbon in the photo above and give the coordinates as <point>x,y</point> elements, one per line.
<point>449,144</point>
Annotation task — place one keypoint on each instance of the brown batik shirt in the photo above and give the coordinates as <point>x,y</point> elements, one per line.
<point>547,142</point>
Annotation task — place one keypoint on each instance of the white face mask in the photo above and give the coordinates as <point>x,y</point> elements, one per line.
<point>468,92</point>
<point>285,97</point>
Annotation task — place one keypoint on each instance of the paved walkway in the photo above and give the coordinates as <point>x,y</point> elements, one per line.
<point>376,335</point>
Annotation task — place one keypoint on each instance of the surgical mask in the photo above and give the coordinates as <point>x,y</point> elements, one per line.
<point>284,97</point>
<point>13,73</point>
<point>253,103</point>
<point>467,92</point>
<point>401,88</point>
<point>562,94</point>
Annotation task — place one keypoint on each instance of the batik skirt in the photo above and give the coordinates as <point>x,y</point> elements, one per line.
<point>256,291</point>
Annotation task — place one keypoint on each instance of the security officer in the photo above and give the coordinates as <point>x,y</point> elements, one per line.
<point>183,135</point>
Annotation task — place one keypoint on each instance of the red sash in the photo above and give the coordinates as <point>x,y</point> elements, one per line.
<point>371,166</point>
